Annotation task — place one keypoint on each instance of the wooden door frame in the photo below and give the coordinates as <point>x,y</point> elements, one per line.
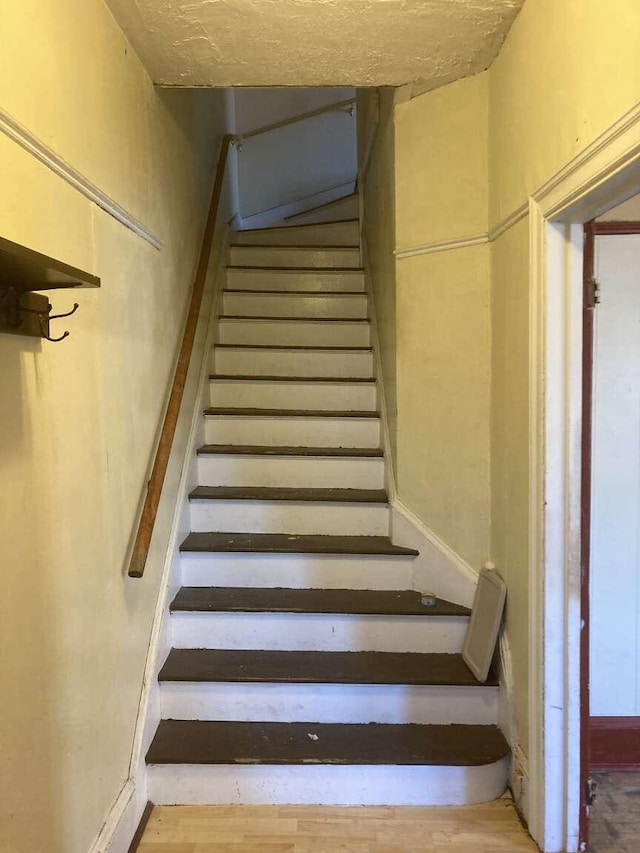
<point>601,176</point>
<point>593,229</point>
<point>588,267</point>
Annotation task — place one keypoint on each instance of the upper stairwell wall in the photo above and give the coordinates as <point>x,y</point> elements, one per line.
<point>434,309</point>
<point>79,419</point>
<point>300,161</point>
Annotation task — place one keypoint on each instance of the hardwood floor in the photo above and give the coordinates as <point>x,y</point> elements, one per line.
<point>488,828</point>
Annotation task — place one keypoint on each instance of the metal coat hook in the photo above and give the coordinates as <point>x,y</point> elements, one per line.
<point>45,317</point>
<point>44,322</point>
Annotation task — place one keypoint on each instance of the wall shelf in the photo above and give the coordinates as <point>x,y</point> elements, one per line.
<point>23,273</point>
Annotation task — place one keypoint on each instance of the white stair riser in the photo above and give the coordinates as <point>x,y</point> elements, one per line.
<point>264,362</point>
<point>337,396</point>
<point>318,632</point>
<point>330,703</point>
<point>293,432</point>
<point>297,571</point>
<point>289,517</point>
<point>294,333</point>
<point>293,280</point>
<point>294,305</point>
<point>293,256</point>
<point>328,234</point>
<point>255,784</point>
<point>302,471</point>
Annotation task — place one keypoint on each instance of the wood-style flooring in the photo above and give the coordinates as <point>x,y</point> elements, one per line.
<point>615,815</point>
<point>488,828</point>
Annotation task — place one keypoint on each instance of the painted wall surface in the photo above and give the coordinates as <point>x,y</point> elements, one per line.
<point>615,504</point>
<point>379,227</point>
<point>443,375</point>
<point>297,160</point>
<point>565,73</point>
<point>628,211</point>
<point>441,154</point>
<point>443,315</point>
<point>78,419</point>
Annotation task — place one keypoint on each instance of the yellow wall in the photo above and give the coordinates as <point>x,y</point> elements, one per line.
<point>441,164</point>
<point>442,315</point>
<point>379,228</point>
<point>78,419</point>
<point>566,72</point>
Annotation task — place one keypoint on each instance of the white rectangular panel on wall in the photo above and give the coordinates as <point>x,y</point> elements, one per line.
<point>297,161</point>
<point>615,526</point>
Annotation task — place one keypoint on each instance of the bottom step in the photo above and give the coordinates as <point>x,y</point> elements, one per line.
<point>225,762</point>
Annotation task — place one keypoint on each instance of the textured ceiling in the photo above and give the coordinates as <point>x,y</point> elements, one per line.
<point>314,42</point>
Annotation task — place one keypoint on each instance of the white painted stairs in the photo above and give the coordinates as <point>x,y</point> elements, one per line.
<point>304,667</point>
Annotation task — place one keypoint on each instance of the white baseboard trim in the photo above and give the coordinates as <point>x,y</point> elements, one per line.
<point>443,246</point>
<point>438,568</point>
<point>48,157</point>
<point>121,823</point>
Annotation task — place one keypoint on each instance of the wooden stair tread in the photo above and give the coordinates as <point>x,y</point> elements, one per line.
<point>314,348</point>
<point>283,543</point>
<point>203,742</point>
<point>297,246</point>
<point>299,413</point>
<point>230,377</point>
<point>312,667</point>
<point>265,318</point>
<point>269,450</point>
<point>276,493</point>
<point>314,270</point>
<point>363,602</point>
<point>295,292</point>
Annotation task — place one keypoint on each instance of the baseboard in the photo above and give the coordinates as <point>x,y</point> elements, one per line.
<point>614,743</point>
<point>438,568</point>
<point>121,822</point>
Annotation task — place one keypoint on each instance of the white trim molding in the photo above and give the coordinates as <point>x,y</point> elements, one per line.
<point>464,242</point>
<point>509,221</point>
<point>444,246</point>
<point>602,175</point>
<point>48,157</point>
<point>121,823</point>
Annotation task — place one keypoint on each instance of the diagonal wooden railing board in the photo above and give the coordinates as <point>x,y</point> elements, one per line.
<point>336,106</point>
<point>149,512</point>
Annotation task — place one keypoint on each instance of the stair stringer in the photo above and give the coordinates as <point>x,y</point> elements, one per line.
<point>128,808</point>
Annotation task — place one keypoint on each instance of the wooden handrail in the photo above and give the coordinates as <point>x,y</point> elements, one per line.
<point>161,461</point>
<point>329,108</point>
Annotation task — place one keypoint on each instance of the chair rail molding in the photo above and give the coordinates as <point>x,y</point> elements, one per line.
<point>53,161</point>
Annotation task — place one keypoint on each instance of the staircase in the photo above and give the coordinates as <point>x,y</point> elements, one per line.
<point>304,667</point>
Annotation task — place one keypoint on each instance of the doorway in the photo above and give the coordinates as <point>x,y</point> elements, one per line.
<point>610,549</point>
